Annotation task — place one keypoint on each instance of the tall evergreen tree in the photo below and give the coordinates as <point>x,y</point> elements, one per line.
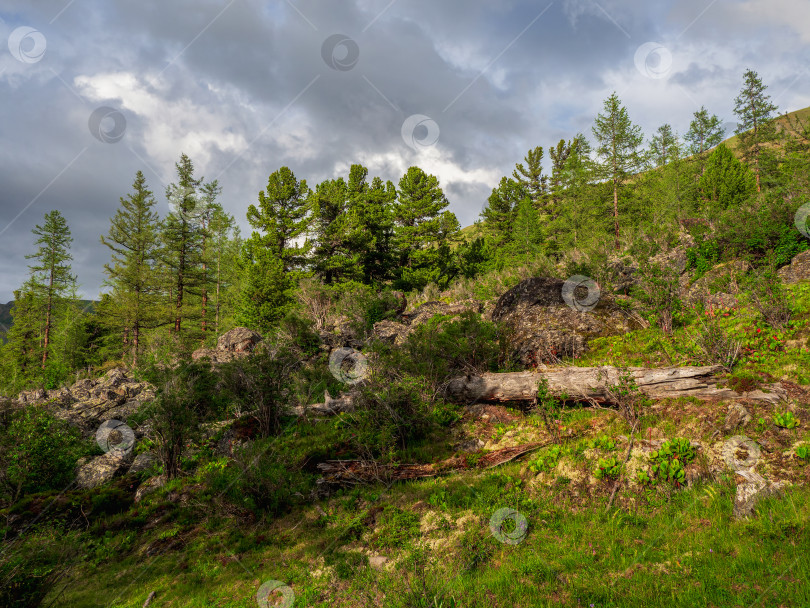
<point>208,209</point>
<point>332,257</point>
<point>527,235</point>
<point>727,182</point>
<point>134,239</point>
<point>663,146</point>
<point>500,210</point>
<point>618,145</point>
<point>51,271</point>
<point>705,131</point>
<point>531,178</point>
<point>274,255</point>
<point>422,226</point>
<point>756,127</point>
<point>183,240</point>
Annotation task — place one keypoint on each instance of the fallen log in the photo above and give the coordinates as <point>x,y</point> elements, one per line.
<point>590,384</point>
<point>330,406</point>
<point>344,472</point>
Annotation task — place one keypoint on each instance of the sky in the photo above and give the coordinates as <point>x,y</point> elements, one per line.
<point>93,91</point>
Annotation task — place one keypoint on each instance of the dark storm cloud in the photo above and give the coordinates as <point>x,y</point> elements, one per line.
<point>242,87</point>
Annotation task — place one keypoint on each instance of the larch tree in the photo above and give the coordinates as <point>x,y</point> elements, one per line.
<point>663,146</point>
<point>705,131</point>
<point>51,271</point>
<point>618,142</point>
<point>756,127</point>
<point>134,240</point>
<point>183,239</point>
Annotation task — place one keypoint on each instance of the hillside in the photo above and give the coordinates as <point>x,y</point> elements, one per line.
<point>5,319</point>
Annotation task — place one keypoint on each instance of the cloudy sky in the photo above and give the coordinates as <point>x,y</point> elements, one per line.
<point>93,91</point>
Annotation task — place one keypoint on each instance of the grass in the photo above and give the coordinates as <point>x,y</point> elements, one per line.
<point>686,552</point>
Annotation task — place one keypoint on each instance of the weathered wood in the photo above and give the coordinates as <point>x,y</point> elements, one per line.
<point>330,406</point>
<point>344,472</point>
<point>590,383</point>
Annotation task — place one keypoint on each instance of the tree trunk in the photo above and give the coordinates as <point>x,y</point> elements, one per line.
<point>616,210</point>
<point>47,338</point>
<point>589,384</point>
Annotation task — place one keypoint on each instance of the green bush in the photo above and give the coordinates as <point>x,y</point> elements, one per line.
<point>785,420</point>
<point>38,452</point>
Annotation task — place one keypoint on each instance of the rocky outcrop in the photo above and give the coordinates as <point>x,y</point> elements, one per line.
<point>742,455</point>
<point>397,332</point>
<point>797,270</point>
<point>719,286</point>
<point>542,328</point>
<point>234,344</point>
<point>102,469</point>
<point>89,402</point>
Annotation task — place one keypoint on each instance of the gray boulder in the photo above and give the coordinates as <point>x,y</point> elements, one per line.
<point>234,344</point>
<point>797,270</point>
<point>143,462</point>
<point>102,469</point>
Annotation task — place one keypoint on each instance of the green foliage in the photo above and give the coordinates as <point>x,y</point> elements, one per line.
<point>475,547</point>
<point>608,468</point>
<point>726,183</point>
<point>546,461</point>
<point>668,462</point>
<point>803,452</point>
<point>703,256</point>
<point>38,452</point>
<point>603,442</point>
<point>396,528</point>
<point>785,420</point>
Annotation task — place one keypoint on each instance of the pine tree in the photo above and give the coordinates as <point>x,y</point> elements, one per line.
<point>756,127</point>
<point>183,240</point>
<point>422,226</point>
<point>500,210</point>
<point>527,237</point>
<point>283,218</point>
<point>134,239</point>
<point>559,155</point>
<point>532,180</point>
<point>663,146</point>
<point>727,182</point>
<point>618,144</point>
<point>208,209</point>
<point>705,131</point>
<point>332,257</point>
<point>53,280</point>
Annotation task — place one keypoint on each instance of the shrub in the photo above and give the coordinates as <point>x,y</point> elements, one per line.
<point>659,291</point>
<point>608,468</point>
<point>785,420</point>
<point>770,298</point>
<point>716,346</point>
<point>38,452</point>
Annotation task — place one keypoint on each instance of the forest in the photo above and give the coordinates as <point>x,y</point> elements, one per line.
<point>362,403</point>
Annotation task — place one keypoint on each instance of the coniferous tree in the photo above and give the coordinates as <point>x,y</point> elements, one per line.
<point>183,241</point>
<point>705,131</point>
<point>618,144</point>
<point>52,279</point>
<point>500,210</point>
<point>532,180</point>
<point>272,256</point>
<point>332,257</point>
<point>663,146</point>
<point>727,182</point>
<point>422,226</point>
<point>134,239</point>
<point>756,127</point>
<point>208,209</point>
<point>527,236</point>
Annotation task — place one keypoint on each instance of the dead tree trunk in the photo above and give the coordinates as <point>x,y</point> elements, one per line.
<point>590,384</point>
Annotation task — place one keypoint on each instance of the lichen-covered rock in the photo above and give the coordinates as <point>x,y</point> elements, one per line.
<point>542,328</point>
<point>102,469</point>
<point>719,286</point>
<point>143,462</point>
<point>737,416</point>
<point>396,333</point>
<point>234,344</point>
<point>797,270</point>
<point>149,486</point>
<point>391,331</point>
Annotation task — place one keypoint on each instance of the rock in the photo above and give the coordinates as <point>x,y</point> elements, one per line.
<point>377,561</point>
<point>234,344</point>
<point>143,462</point>
<point>101,469</point>
<point>674,258</point>
<point>751,488</point>
<point>543,329</point>
<point>149,486</point>
<point>239,340</point>
<point>718,287</point>
<point>797,270</point>
<point>396,333</point>
<point>737,416</point>
<point>391,331</point>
